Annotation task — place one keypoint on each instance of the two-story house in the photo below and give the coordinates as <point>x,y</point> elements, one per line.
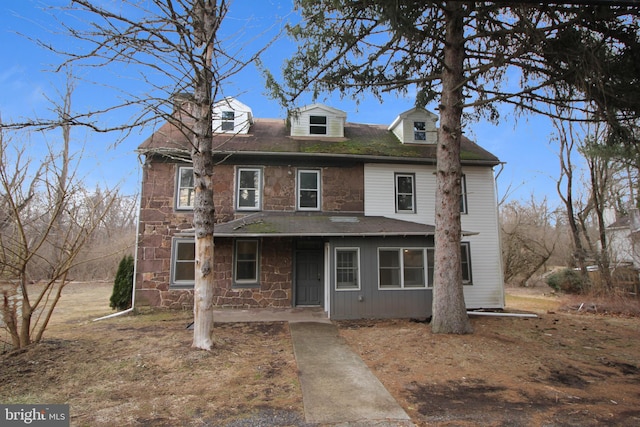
<point>315,211</point>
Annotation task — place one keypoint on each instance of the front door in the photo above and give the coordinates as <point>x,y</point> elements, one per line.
<point>309,284</point>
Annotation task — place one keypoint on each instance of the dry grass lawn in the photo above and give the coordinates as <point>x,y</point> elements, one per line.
<point>560,369</point>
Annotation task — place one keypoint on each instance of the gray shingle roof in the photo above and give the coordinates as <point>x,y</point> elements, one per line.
<point>271,137</point>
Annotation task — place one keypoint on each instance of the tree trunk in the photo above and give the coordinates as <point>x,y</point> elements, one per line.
<point>206,21</point>
<point>449,310</point>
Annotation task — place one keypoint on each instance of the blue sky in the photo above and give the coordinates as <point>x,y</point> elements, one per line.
<point>27,84</point>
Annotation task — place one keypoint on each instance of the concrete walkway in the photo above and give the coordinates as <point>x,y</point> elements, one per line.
<point>337,387</point>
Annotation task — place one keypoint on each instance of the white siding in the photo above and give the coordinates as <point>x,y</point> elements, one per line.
<point>482,218</point>
<point>335,121</point>
<point>243,117</point>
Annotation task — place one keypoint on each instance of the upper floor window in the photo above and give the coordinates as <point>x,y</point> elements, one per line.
<point>402,268</point>
<point>248,188</point>
<point>309,190</point>
<point>228,120</point>
<point>185,194</point>
<point>318,125</point>
<point>463,194</point>
<point>183,255</point>
<point>405,193</point>
<point>419,131</point>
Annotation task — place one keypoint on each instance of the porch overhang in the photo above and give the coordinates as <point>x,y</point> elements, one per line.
<point>316,224</point>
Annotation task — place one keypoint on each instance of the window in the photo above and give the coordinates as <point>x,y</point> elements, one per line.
<point>228,120</point>
<point>405,193</point>
<point>463,194</point>
<point>347,269</point>
<point>465,260</point>
<point>402,268</point>
<point>318,125</point>
<point>309,190</point>
<point>185,194</point>
<point>183,255</point>
<point>419,131</point>
<point>246,262</point>
<point>248,189</point>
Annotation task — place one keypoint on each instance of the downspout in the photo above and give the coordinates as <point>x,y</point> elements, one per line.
<point>135,253</point>
<point>500,260</point>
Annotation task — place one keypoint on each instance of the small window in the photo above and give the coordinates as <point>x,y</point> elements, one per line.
<point>185,194</point>
<point>347,269</point>
<point>183,257</point>
<point>463,194</point>
<point>248,189</point>
<point>405,193</point>
<point>402,268</point>
<point>228,120</point>
<point>465,261</point>
<point>246,262</point>
<point>419,131</point>
<point>309,190</point>
<point>318,125</point>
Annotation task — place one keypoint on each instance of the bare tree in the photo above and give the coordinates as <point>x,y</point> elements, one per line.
<point>177,47</point>
<point>45,225</point>
<point>529,238</point>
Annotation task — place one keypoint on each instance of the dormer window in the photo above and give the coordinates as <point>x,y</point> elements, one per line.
<point>419,131</point>
<point>228,120</point>
<point>318,125</point>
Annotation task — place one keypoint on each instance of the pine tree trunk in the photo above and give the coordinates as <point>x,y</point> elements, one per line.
<point>449,310</point>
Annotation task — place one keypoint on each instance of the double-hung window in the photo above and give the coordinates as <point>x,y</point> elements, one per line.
<point>183,255</point>
<point>419,131</point>
<point>347,269</point>
<point>308,190</point>
<point>463,194</point>
<point>318,125</point>
<point>405,193</point>
<point>248,188</point>
<point>465,261</point>
<point>246,256</point>
<point>400,268</point>
<point>228,121</point>
<point>185,194</point>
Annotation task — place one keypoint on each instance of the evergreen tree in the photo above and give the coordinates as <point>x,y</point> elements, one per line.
<point>123,285</point>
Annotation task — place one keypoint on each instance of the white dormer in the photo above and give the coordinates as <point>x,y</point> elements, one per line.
<point>318,120</point>
<point>231,116</point>
<point>416,126</point>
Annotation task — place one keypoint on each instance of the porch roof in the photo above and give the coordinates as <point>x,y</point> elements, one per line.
<point>283,224</point>
<point>295,224</point>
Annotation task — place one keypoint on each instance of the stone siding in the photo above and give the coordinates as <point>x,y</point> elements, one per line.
<point>342,190</point>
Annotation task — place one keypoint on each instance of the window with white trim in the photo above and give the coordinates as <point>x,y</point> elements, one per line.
<point>228,120</point>
<point>183,255</point>
<point>465,261</point>
<point>308,195</point>
<point>248,188</point>
<point>402,268</point>
<point>185,193</point>
<point>419,131</point>
<point>347,269</point>
<point>463,194</point>
<point>245,268</point>
<point>317,125</point>
<point>405,193</point>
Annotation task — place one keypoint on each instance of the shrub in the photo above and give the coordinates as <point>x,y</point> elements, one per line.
<point>568,281</point>
<point>123,285</point>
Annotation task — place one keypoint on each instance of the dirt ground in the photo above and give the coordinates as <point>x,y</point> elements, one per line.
<point>560,369</point>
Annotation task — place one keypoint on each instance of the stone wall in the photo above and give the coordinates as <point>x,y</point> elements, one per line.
<point>342,190</point>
